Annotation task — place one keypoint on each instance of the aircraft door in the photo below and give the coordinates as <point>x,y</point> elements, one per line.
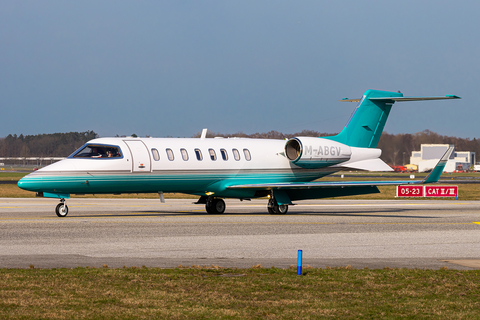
<point>140,156</point>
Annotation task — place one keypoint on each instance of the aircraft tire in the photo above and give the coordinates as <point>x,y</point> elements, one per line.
<point>283,209</point>
<point>61,210</point>
<point>216,206</point>
<point>274,208</point>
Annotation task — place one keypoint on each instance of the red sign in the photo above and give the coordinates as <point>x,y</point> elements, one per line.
<point>441,191</point>
<point>409,191</point>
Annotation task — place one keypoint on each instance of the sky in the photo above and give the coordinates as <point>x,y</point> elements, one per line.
<point>172,68</point>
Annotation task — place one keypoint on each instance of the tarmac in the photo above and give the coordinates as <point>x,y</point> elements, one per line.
<point>406,233</point>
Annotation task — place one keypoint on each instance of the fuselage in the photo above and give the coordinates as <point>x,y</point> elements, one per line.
<point>194,166</point>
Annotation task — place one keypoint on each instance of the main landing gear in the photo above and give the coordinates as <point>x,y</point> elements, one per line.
<point>215,206</point>
<point>61,210</point>
<point>274,208</point>
<point>212,205</point>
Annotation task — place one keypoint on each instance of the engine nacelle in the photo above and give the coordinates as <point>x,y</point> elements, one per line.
<point>313,153</point>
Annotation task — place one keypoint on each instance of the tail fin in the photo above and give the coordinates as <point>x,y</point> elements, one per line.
<point>366,123</point>
<point>365,126</point>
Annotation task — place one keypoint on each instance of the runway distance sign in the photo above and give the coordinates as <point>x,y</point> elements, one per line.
<point>433,191</point>
<point>409,191</point>
<point>441,191</point>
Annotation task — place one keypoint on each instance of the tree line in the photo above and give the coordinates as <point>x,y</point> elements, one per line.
<point>396,148</point>
<point>44,145</point>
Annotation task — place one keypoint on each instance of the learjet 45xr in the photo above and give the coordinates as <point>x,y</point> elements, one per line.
<point>219,168</point>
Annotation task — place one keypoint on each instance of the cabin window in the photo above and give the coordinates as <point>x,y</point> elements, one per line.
<point>224,154</point>
<point>184,154</point>
<point>248,157</point>
<point>94,151</point>
<point>212,153</point>
<point>236,154</point>
<point>170,155</point>
<point>156,155</point>
<point>198,153</point>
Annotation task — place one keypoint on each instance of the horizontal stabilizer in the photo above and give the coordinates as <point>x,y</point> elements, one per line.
<point>400,99</point>
<point>369,165</point>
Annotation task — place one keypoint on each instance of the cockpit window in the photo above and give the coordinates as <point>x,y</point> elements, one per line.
<point>98,151</point>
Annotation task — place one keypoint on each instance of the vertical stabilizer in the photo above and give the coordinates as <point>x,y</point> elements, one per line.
<point>366,124</point>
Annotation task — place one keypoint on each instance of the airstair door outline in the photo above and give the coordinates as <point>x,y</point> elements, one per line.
<point>140,156</point>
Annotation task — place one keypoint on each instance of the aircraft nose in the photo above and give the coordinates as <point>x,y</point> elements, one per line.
<point>28,184</point>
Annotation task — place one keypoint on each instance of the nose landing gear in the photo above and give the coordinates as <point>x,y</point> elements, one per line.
<point>61,210</point>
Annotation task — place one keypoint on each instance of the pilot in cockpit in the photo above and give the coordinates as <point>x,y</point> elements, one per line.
<point>113,153</point>
<point>94,153</point>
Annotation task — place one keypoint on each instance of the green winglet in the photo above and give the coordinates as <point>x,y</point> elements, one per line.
<point>438,170</point>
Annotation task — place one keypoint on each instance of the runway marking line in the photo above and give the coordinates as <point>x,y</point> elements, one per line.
<point>372,205</point>
<point>81,219</point>
<point>432,223</point>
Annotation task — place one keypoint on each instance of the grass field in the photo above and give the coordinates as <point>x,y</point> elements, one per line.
<point>11,176</point>
<point>255,293</point>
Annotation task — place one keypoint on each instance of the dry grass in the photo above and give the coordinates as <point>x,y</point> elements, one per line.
<point>11,176</point>
<point>12,191</point>
<point>466,191</point>
<point>208,293</point>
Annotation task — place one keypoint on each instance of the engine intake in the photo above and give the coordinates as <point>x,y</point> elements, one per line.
<point>313,153</point>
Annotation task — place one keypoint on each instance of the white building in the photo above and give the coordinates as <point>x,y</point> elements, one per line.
<point>430,154</point>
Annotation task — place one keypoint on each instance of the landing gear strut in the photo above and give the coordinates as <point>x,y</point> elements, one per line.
<point>61,210</point>
<point>215,206</point>
<point>274,208</point>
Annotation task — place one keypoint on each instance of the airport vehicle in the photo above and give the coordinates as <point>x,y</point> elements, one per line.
<point>399,168</point>
<point>215,169</point>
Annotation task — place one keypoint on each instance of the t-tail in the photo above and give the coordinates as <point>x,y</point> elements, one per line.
<point>365,126</point>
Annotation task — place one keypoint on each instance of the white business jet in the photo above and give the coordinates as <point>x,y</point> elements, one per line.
<point>219,168</point>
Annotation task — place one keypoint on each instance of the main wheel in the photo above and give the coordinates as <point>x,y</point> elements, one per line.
<point>274,208</point>
<point>61,210</point>
<point>283,209</point>
<point>215,206</point>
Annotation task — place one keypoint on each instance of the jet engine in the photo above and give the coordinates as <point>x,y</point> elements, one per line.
<point>313,153</point>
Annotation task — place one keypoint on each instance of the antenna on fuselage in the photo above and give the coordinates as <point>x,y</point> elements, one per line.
<point>204,134</point>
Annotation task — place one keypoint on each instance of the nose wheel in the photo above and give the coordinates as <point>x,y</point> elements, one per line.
<point>61,210</point>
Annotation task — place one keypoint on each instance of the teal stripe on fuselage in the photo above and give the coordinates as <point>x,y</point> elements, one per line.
<point>192,183</point>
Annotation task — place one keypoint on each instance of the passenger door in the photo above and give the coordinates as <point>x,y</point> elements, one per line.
<point>140,156</point>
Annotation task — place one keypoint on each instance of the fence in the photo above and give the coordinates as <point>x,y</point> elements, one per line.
<point>28,161</point>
